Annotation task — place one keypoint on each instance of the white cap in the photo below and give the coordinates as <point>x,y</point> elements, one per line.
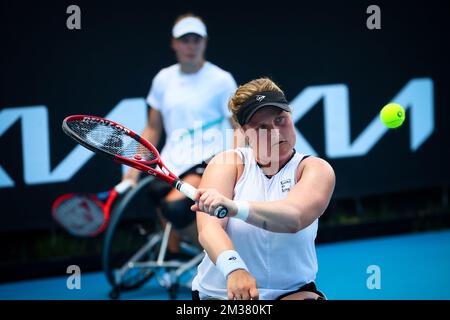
<point>189,25</point>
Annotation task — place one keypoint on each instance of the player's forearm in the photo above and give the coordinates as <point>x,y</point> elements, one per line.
<point>276,216</point>
<point>215,241</point>
<point>220,249</point>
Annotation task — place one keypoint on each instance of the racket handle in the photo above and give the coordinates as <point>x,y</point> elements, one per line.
<point>190,192</point>
<point>186,189</point>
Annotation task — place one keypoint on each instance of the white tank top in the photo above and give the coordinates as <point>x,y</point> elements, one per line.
<point>280,262</point>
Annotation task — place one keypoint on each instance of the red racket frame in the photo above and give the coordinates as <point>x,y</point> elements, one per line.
<point>143,165</point>
<point>105,207</point>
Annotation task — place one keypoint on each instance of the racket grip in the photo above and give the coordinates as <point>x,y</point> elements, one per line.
<point>190,192</point>
<point>186,189</point>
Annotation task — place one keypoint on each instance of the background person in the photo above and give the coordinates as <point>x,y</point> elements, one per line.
<point>275,195</point>
<point>191,93</point>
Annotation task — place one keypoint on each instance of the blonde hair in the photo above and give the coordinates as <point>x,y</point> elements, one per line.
<point>247,90</point>
<point>187,15</point>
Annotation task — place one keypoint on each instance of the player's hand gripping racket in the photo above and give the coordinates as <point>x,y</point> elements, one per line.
<point>84,214</point>
<point>125,147</point>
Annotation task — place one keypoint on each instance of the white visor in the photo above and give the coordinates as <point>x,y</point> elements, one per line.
<point>189,25</point>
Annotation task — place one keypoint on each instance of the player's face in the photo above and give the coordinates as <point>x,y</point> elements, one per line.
<point>271,134</point>
<point>189,49</point>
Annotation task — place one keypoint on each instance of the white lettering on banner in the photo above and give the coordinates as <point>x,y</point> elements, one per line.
<point>36,143</point>
<point>416,95</point>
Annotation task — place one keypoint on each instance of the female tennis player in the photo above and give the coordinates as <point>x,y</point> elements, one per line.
<point>275,196</point>
<point>188,100</point>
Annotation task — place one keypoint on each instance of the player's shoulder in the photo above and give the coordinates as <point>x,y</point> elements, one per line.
<point>227,162</point>
<point>315,163</point>
<point>227,157</point>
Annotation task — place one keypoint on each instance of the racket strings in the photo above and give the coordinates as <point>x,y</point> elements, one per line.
<point>111,139</point>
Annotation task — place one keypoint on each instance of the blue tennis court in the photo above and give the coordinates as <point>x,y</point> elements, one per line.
<point>414,266</point>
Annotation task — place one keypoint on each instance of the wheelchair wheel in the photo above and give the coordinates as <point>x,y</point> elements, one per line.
<point>131,227</point>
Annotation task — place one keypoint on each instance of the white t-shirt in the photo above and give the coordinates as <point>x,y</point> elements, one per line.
<point>193,101</point>
<point>280,262</point>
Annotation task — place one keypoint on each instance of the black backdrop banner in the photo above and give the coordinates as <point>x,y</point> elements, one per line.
<point>336,72</point>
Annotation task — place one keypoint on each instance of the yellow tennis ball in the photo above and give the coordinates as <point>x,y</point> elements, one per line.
<point>392,115</point>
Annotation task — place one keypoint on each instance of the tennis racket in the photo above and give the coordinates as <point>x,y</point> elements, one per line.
<point>85,214</point>
<point>122,145</point>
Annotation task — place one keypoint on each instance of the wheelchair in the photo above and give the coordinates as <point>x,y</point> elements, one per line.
<point>135,248</point>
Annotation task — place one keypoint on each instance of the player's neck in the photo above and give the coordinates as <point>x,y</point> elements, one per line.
<point>192,67</point>
<point>272,168</point>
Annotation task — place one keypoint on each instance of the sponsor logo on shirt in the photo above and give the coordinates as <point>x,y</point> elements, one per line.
<point>285,185</point>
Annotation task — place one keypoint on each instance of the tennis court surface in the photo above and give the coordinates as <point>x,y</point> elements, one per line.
<point>414,266</point>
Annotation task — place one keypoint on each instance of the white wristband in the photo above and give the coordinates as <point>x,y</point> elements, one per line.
<point>243,210</point>
<point>228,261</point>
